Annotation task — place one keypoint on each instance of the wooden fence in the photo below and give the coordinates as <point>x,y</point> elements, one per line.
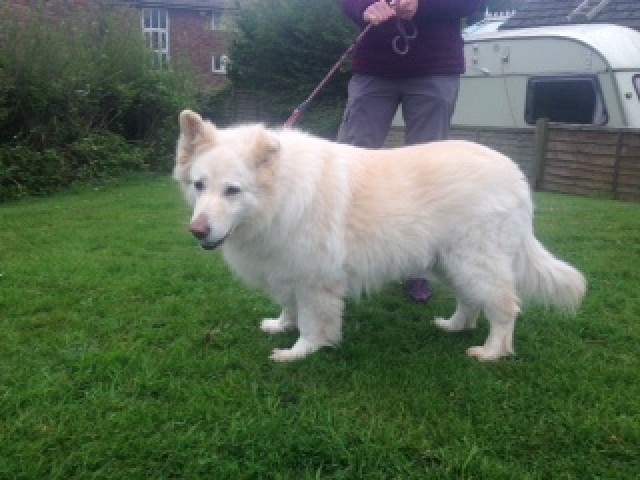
<point>588,161</point>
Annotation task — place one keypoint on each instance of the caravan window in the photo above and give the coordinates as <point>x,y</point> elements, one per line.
<point>636,83</point>
<point>568,99</point>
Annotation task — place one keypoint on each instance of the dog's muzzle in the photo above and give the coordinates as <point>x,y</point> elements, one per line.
<point>200,229</point>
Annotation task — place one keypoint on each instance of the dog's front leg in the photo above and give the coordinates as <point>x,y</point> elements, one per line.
<point>319,316</point>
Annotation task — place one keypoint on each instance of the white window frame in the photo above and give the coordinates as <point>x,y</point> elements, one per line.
<point>217,20</point>
<point>219,63</point>
<point>155,27</point>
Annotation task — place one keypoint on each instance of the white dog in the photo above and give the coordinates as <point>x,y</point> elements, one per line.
<point>310,222</point>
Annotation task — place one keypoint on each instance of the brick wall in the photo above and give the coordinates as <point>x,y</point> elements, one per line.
<point>193,42</point>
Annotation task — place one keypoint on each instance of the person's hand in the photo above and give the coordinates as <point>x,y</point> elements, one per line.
<point>379,12</point>
<point>406,9</point>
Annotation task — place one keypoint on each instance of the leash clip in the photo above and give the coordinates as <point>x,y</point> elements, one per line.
<point>400,43</point>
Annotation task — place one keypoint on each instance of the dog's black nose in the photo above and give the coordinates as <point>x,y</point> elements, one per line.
<point>199,228</point>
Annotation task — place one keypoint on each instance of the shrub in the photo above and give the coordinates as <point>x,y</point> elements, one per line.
<point>75,90</point>
<point>94,158</point>
<point>91,72</point>
<point>100,156</point>
<point>24,171</point>
<point>284,49</point>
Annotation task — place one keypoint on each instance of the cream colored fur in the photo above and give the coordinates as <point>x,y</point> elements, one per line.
<point>310,222</point>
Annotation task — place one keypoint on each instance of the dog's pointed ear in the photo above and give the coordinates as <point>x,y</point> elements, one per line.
<point>194,131</point>
<point>190,123</point>
<point>266,147</point>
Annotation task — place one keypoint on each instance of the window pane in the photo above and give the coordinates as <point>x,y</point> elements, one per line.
<point>216,20</point>
<point>573,100</point>
<point>636,83</point>
<point>147,18</point>
<point>155,23</point>
<point>218,63</point>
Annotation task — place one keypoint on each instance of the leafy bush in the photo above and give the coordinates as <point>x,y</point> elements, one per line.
<point>83,74</point>
<point>101,156</point>
<point>284,49</point>
<point>94,158</point>
<point>74,87</point>
<point>24,171</point>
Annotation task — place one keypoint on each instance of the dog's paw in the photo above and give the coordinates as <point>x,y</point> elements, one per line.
<point>284,355</point>
<point>274,326</point>
<point>445,324</point>
<point>485,354</point>
<point>449,325</point>
<point>301,349</point>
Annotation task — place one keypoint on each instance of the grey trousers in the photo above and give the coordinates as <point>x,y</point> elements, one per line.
<point>427,108</point>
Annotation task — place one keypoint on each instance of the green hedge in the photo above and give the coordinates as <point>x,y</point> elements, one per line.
<point>92,159</point>
<point>80,100</point>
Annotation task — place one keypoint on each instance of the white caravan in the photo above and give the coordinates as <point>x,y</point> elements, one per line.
<point>577,74</point>
<point>574,74</point>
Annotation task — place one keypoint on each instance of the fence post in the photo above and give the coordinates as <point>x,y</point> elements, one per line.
<point>616,165</point>
<point>540,154</point>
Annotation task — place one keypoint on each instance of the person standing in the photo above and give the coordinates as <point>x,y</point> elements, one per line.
<point>412,57</point>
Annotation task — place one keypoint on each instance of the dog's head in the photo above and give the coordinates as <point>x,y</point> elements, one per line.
<point>225,174</point>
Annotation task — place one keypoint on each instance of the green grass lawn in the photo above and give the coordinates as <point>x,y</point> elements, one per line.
<point>128,352</point>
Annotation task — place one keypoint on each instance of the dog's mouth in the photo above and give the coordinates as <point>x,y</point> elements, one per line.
<point>208,245</point>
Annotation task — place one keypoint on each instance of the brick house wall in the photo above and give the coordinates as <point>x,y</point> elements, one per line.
<point>192,40</point>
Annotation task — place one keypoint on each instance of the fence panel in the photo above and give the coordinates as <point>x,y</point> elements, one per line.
<point>591,161</point>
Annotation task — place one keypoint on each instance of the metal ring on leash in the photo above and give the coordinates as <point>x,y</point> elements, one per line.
<point>403,37</point>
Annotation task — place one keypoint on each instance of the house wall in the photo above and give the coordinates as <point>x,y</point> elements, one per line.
<point>193,42</point>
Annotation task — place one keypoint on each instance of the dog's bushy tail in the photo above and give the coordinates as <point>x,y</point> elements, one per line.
<point>548,280</point>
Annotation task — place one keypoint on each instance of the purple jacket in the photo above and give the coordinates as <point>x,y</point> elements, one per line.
<point>437,50</point>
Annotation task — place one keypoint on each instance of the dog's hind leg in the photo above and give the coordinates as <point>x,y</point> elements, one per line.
<point>286,322</point>
<point>319,323</point>
<point>501,311</point>
<point>484,281</point>
<point>464,318</point>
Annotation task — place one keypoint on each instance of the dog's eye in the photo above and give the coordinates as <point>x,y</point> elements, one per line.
<point>198,185</point>
<point>231,190</point>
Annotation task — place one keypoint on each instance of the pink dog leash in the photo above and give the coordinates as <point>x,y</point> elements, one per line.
<point>300,109</point>
<point>400,45</point>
